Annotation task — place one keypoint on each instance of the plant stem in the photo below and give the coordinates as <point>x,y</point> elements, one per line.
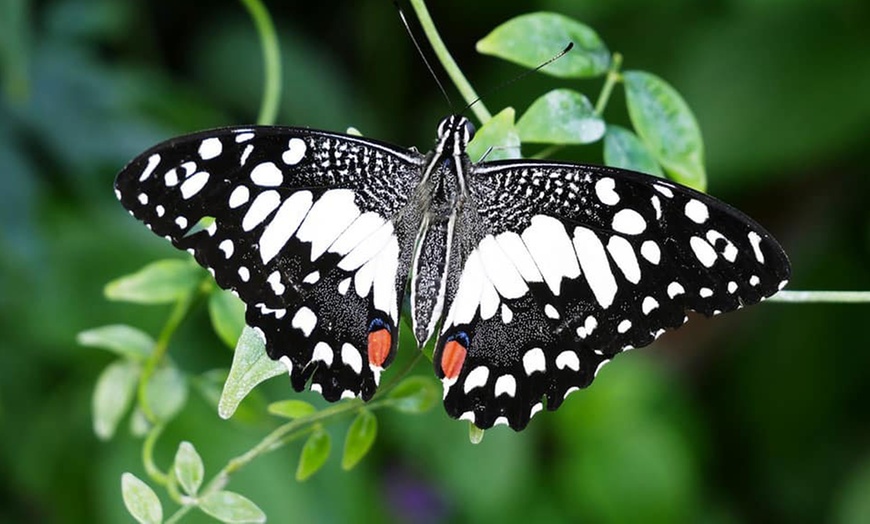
<point>271,61</point>
<point>844,297</point>
<point>160,347</point>
<point>148,456</point>
<point>613,76</point>
<point>453,71</point>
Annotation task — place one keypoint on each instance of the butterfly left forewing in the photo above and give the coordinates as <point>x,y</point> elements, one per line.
<point>569,265</point>
<point>311,229</point>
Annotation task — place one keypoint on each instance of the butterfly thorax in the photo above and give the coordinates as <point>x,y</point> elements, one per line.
<point>442,192</point>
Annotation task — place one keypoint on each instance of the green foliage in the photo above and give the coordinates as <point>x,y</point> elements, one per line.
<point>415,394</point>
<point>314,454</point>
<point>113,395</point>
<point>623,149</point>
<point>667,126</point>
<point>161,282</point>
<point>360,438</point>
<point>498,136</point>
<point>250,367</point>
<point>227,313</point>
<point>125,341</point>
<point>227,506</point>
<point>141,501</point>
<point>189,469</point>
<point>561,116</point>
<point>532,39</point>
<point>292,408</point>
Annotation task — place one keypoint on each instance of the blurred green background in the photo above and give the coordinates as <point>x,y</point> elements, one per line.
<point>756,416</point>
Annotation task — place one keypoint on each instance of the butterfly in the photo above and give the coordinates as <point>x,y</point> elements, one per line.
<point>530,275</point>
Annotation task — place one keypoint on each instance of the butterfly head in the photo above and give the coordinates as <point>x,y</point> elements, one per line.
<point>454,134</point>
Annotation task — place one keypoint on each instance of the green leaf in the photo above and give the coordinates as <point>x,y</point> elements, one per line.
<point>189,469</point>
<point>139,425</point>
<point>227,506</point>
<point>160,282</point>
<point>475,434</point>
<point>227,314</point>
<point>141,501</point>
<point>113,395</point>
<point>314,454</point>
<point>667,126</point>
<point>251,366</point>
<point>291,408</point>
<point>623,149</point>
<point>853,505</point>
<point>120,339</point>
<point>500,134</point>
<point>415,394</point>
<point>166,393</point>
<point>532,39</point>
<point>360,437</point>
<point>561,116</point>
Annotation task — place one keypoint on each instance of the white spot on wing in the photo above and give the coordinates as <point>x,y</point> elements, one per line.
<point>160,210</point>
<point>623,254</point>
<point>697,211</point>
<point>295,151</point>
<point>181,222</point>
<point>143,199</point>
<point>244,137</point>
<point>210,148</point>
<point>506,314</point>
<point>244,274</point>
<point>274,280</point>
<point>624,326</point>
<point>754,280</point>
<point>364,252</point>
<point>629,222</point>
<point>267,174</point>
<point>593,260</point>
<point>287,364</point>
<point>322,353</point>
<point>703,251</point>
<point>227,247</point>
<point>651,251</point>
<point>239,196</point>
<point>732,287</point>
<point>705,292</point>
<point>501,272</point>
<point>605,191</point>
<point>358,232</point>
<point>550,247</point>
<point>329,217</point>
<point>674,289</point>
<point>476,378</point>
<point>551,312</point>
<point>568,359</point>
<point>261,207</point>
<point>506,385</point>
<point>194,184</point>
<point>304,320</point>
<point>153,162</point>
<point>664,190</point>
<point>351,356</point>
<point>311,278</point>
<point>343,286</point>
<point>534,360</point>
<point>649,304</point>
<point>282,227</point>
<point>755,240</point>
<point>516,251</point>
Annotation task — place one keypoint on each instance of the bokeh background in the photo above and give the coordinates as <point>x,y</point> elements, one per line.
<point>757,416</point>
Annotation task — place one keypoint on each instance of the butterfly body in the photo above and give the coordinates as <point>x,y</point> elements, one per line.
<point>531,275</point>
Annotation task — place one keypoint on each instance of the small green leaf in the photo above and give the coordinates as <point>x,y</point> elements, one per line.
<point>623,149</point>
<point>227,506</point>
<point>561,116</point>
<point>113,395</point>
<point>352,131</point>
<point>415,394</point>
<point>139,425</point>
<point>532,39</point>
<point>227,314</point>
<point>500,134</point>
<point>189,469</point>
<point>360,437</point>
<point>314,454</point>
<point>141,501</point>
<point>251,366</point>
<point>475,434</point>
<point>160,282</point>
<point>166,393</point>
<point>291,408</point>
<point>121,339</point>
<point>667,126</point>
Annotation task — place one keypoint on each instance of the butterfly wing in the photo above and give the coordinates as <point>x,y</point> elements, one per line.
<point>312,230</point>
<point>564,266</point>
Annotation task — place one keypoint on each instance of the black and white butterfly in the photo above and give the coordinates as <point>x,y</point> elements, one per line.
<point>532,275</point>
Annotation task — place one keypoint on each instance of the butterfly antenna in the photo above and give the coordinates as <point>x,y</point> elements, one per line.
<point>521,75</point>
<point>421,53</point>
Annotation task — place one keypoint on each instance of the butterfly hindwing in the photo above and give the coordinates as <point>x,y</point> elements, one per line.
<point>564,266</point>
<point>311,229</point>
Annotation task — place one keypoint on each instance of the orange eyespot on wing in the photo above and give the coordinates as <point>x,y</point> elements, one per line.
<point>452,359</point>
<point>380,342</point>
